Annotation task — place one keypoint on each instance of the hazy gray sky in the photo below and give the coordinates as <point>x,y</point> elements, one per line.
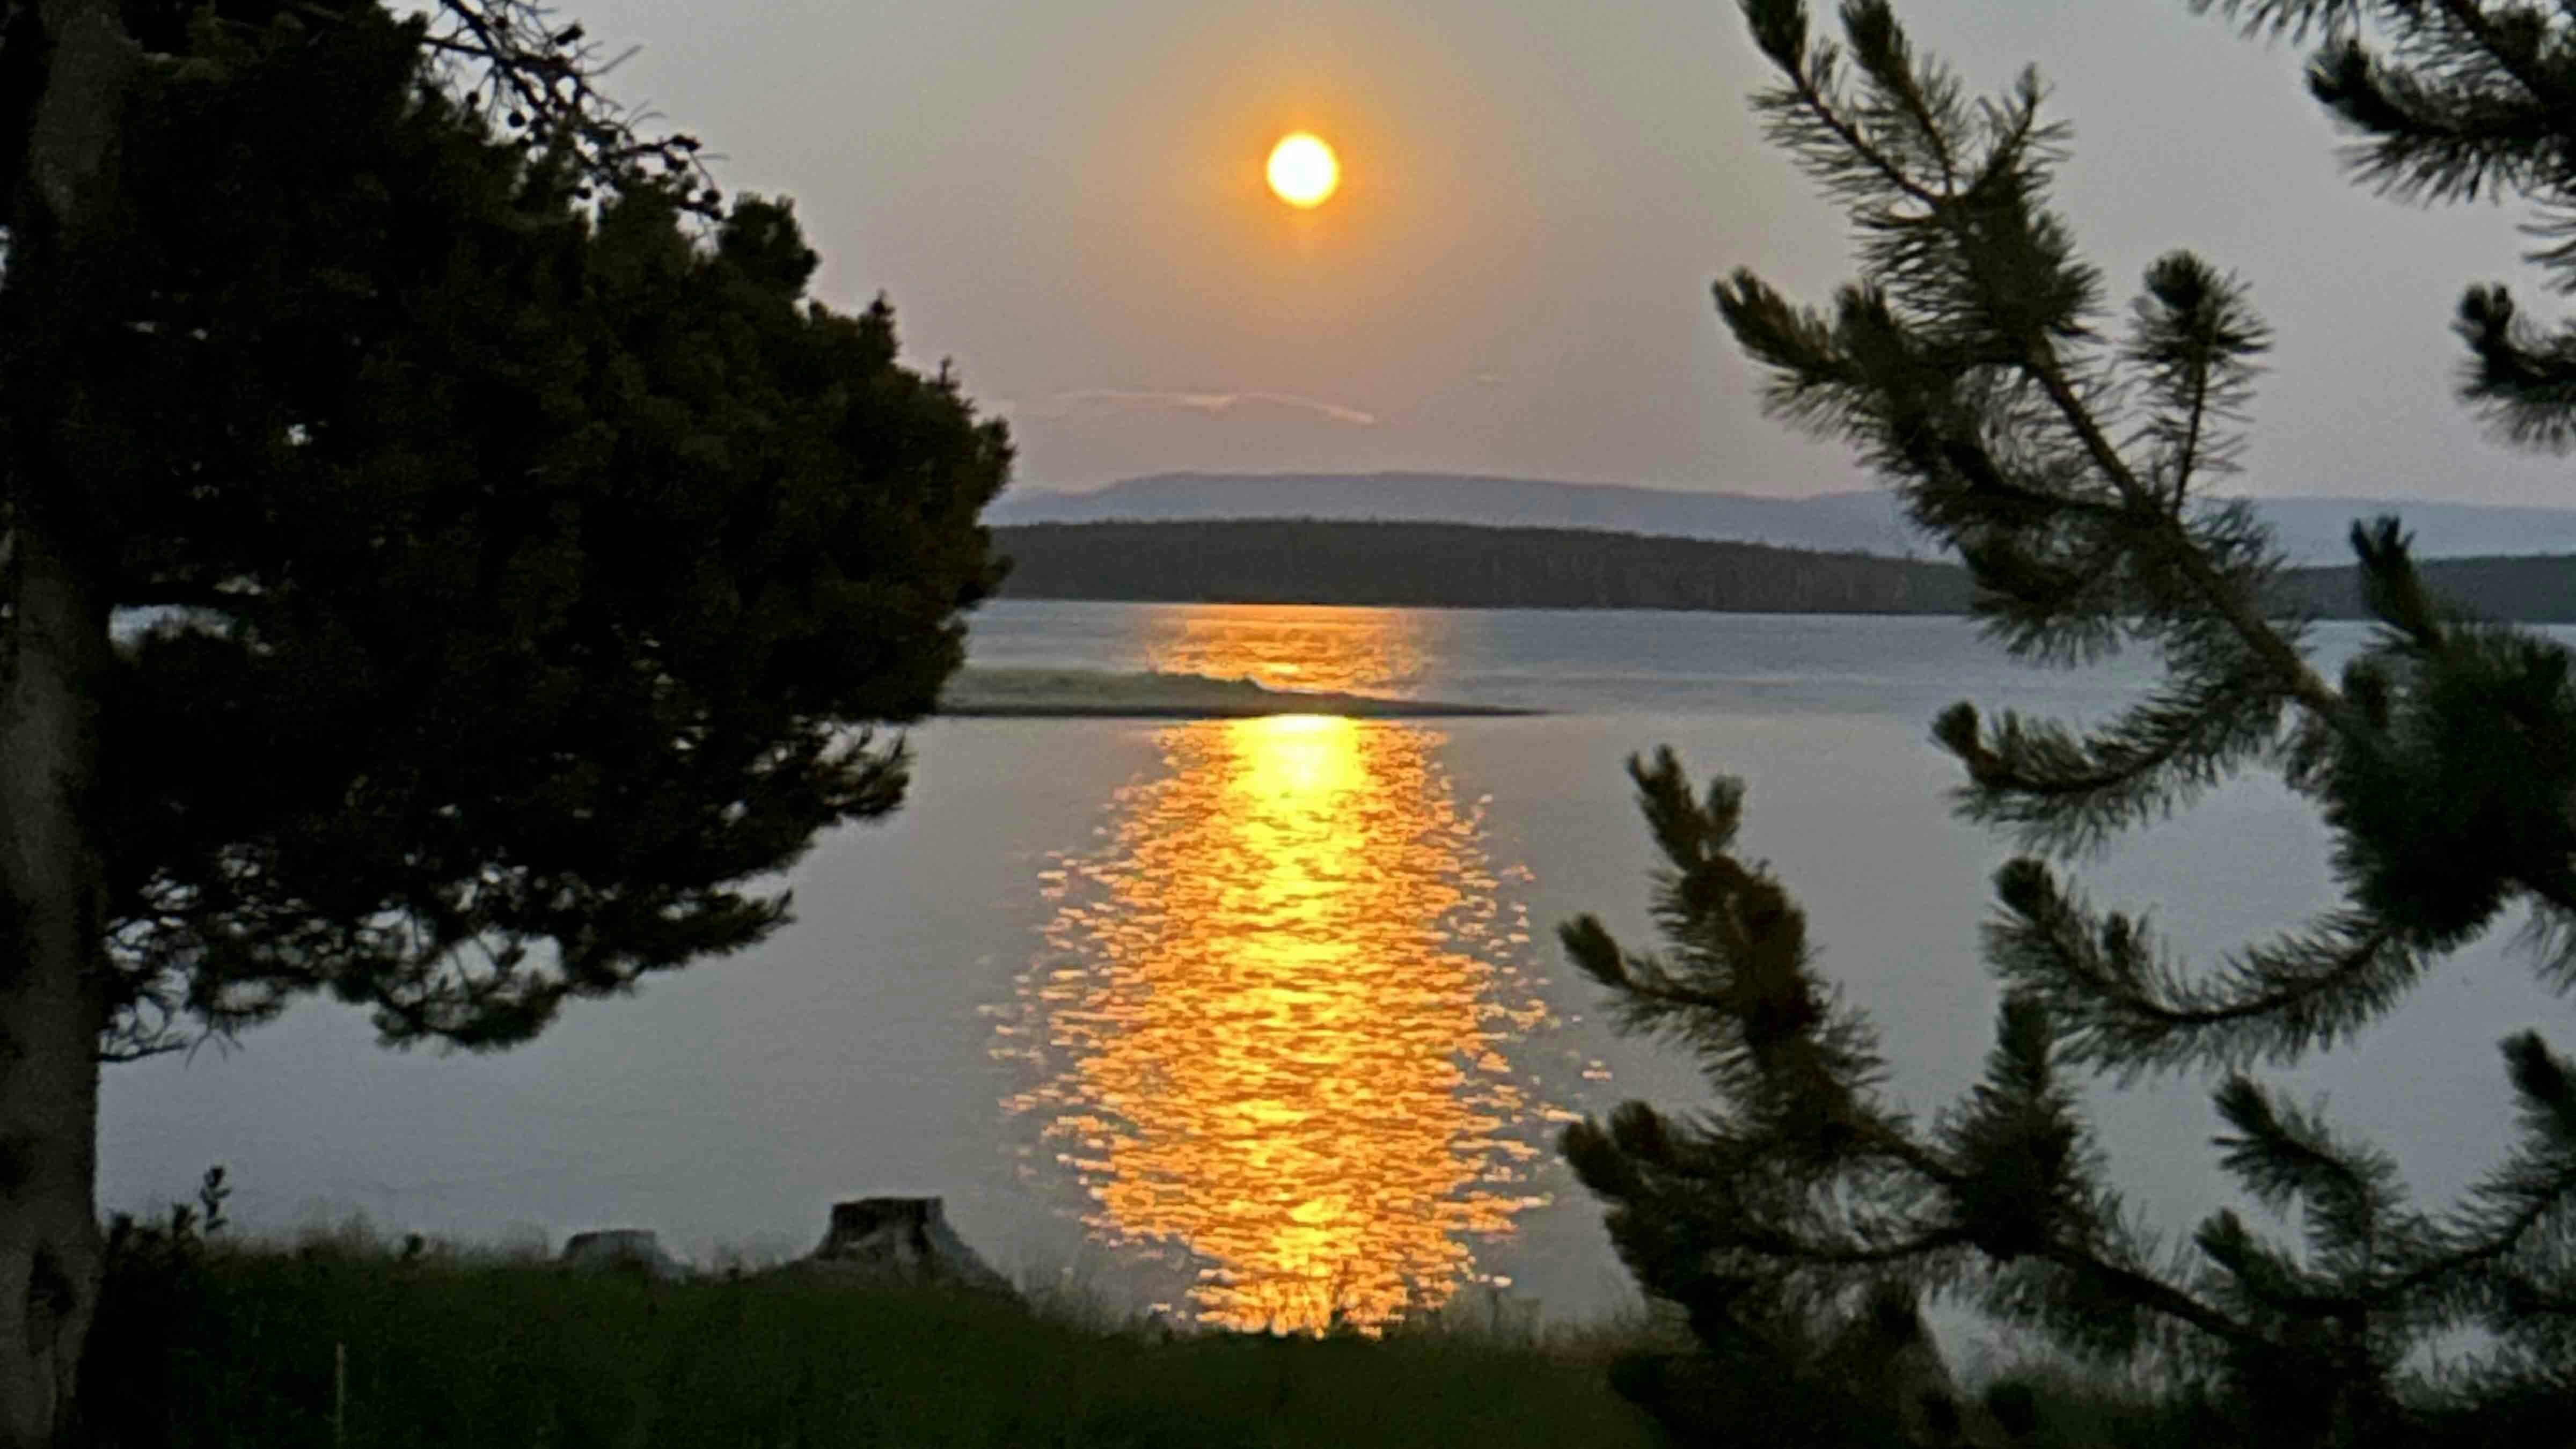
<point>1065,198</point>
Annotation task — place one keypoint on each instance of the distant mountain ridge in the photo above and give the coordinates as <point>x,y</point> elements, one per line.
<point>2311,530</point>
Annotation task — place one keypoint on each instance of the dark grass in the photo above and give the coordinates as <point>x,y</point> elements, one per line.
<point>344,1343</point>
<point>244,1350</point>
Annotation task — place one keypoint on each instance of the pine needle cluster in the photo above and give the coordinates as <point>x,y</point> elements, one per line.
<point>2068,455</point>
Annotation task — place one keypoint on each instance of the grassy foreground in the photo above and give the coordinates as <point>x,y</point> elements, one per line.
<point>342,1340</point>
<point>275,1348</point>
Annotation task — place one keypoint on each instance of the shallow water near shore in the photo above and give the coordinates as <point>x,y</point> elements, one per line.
<point>1263,1019</point>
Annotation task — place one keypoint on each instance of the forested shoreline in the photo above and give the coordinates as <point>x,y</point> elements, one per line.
<point>1472,566</point>
<point>1434,565</point>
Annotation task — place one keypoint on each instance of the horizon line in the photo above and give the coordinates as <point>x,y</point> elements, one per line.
<point>1676,490</point>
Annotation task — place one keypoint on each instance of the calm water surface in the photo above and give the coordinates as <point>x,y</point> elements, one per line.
<point>1262,1019</point>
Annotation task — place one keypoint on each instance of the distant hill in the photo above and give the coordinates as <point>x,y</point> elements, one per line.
<point>2312,530</point>
<point>1853,522</point>
<point>1442,565</point>
<point>2319,530</point>
<point>1449,565</point>
<point>2538,590</point>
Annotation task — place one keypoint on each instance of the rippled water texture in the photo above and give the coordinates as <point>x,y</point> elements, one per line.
<point>1354,651</point>
<point>1272,1019</point>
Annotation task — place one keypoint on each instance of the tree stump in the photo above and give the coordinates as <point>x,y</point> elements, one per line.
<point>904,1239</point>
<point>630,1249</point>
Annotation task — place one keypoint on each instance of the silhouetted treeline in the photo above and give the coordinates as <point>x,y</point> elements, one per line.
<point>1458,566</point>
<point>2540,589</point>
<point>1465,566</point>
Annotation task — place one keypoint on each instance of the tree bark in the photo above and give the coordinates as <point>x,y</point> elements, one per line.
<point>51,1007</point>
<point>54,651</point>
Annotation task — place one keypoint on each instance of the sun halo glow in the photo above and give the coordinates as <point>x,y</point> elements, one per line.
<point>1303,171</point>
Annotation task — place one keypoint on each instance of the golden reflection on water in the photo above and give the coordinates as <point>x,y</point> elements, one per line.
<point>1271,1028</point>
<point>1318,650</point>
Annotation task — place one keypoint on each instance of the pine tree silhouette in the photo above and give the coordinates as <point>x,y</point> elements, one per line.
<point>1973,364</point>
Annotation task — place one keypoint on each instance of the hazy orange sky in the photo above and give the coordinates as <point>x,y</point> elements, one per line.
<point>1066,199</point>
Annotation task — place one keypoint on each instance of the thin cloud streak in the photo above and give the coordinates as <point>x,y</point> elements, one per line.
<point>1097,401</point>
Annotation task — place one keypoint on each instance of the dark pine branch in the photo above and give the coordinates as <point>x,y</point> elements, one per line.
<point>2127,1007</point>
<point>521,65</point>
<point>1969,368</point>
<point>1804,1183</point>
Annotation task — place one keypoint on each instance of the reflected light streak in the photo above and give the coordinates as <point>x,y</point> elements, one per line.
<point>1317,650</point>
<point>1270,1029</point>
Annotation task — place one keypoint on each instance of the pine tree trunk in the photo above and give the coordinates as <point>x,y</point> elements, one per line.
<point>50,1007</point>
<point>53,651</point>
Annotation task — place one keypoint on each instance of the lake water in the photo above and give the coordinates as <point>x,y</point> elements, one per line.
<point>1263,1020</point>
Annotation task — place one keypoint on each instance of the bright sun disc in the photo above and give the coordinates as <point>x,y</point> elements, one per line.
<point>1303,170</point>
